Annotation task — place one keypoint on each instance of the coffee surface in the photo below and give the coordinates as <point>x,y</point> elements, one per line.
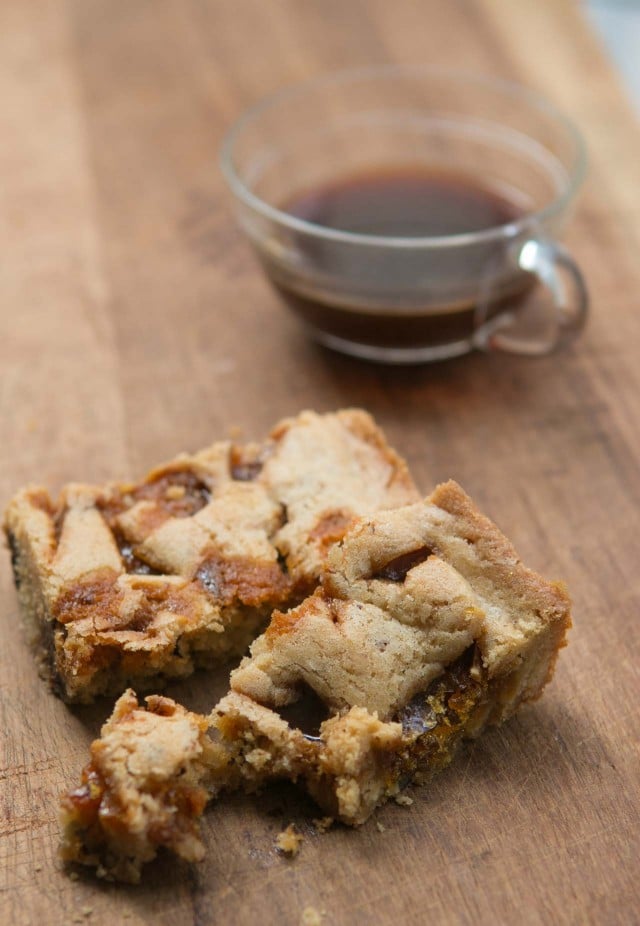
<point>417,202</point>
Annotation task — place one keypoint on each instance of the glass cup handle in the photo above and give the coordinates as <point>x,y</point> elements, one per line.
<point>566,315</point>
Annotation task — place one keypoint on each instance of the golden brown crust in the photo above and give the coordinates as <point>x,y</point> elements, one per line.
<point>134,583</point>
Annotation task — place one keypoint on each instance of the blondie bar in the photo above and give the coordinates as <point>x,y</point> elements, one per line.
<point>426,627</point>
<point>133,584</point>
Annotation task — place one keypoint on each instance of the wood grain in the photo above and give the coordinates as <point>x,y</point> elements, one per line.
<point>134,324</point>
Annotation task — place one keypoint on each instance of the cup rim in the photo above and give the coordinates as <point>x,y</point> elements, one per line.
<point>575,175</point>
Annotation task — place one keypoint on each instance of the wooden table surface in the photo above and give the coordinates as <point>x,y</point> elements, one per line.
<point>135,323</point>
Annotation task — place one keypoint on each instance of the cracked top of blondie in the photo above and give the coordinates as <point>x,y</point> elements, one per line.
<point>405,594</point>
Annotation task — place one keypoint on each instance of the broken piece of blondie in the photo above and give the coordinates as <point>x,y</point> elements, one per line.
<point>132,584</point>
<point>426,628</point>
<point>149,781</point>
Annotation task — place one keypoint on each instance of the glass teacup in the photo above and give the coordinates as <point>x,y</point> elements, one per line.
<point>401,298</point>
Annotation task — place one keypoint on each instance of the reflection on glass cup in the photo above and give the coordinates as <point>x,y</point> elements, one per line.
<point>405,297</point>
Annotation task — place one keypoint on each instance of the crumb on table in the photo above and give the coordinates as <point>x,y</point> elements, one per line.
<point>288,841</point>
<point>404,800</point>
<point>322,824</point>
<point>380,826</point>
<point>311,917</point>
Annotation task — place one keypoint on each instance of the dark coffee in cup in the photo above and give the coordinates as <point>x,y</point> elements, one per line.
<point>403,202</point>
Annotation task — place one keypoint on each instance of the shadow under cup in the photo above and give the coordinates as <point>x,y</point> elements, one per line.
<point>405,299</point>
